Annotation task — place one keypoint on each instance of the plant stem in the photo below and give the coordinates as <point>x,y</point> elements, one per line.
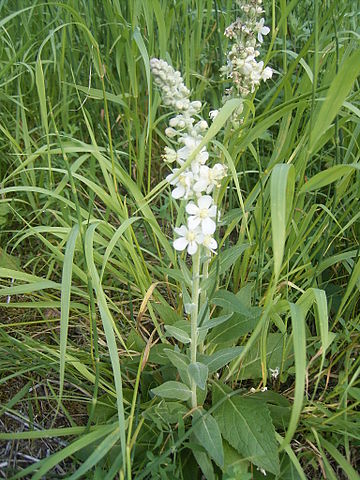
<point>194,318</point>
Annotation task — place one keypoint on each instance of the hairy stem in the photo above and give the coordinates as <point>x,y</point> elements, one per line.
<point>194,318</point>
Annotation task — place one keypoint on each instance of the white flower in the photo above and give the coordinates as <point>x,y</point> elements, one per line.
<point>213,114</point>
<point>209,178</point>
<point>261,29</point>
<point>202,214</point>
<point>177,122</point>
<point>256,72</point>
<point>201,126</point>
<point>190,238</point>
<point>182,182</point>
<point>190,144</point>
<point>274,372</point>
<point>210,243</point>
<point>261,470</point>
<point>170,132</point>
<point>170,155</point>
<point>267,73</point>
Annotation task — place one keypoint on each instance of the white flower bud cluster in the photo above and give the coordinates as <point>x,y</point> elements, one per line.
<point>197,181</point>
<point>247,34</point>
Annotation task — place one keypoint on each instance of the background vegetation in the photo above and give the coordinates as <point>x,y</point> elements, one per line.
<point>88,274</point>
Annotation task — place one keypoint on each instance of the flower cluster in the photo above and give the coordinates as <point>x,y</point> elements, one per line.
<point>193,182</point>
<point>247,35</point>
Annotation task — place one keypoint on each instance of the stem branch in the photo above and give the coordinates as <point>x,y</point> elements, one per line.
<point>194,318</point>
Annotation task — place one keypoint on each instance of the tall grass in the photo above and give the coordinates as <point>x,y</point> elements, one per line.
<point>89,277</point>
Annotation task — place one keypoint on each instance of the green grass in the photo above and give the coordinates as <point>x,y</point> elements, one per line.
<point>89,277</point>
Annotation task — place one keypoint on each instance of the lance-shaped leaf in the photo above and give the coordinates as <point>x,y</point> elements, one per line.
<point>221,358</point>
<point>199,373</point>
<point>173,390</point>
<point>177,333</point>
<point>207,433</point>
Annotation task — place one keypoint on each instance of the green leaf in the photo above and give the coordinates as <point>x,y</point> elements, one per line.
<point>235,464</point>
<point>228,257</point>
<point>214,322</point>
<point>299,338</point>
<point>281,196</point>
<point>336,95</point>
<point>204,462</point>
<point>324,178</point>
<point>345,465</point>
<point>231,302</point>
<point>177,333</point>
<point>98,453</point>
<point>173,390</point>
<point>246,424</point>
<point>167,412</point>
<point>108,324</point>
<point>167,314</point>
<point>199,373</point>
<point>279,407</point>
<point>77,445</point>
<point>207,432</point>
<point>8,261</point>
<point>221,358</point>
<point>251,365</point>
<point>65,300</point>
<point>234,328</point>
<point>181,362</point>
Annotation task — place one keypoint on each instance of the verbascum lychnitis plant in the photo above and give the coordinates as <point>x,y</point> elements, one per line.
<point>195,184</point>
<point>245,72</point>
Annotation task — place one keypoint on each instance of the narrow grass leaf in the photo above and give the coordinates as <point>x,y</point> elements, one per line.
<point>65,300</point>
<point>344,464</point>
<point>336,95</point>
<point>97,455</point>
<point>292,457</point>
<point>281,196</point>
<point>82,442</point>
<point>107,321</point>
<point>119,232</point>
<point>331,175</point>
<point>299,341</point>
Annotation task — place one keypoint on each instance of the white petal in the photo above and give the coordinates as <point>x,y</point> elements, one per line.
<point>169,178</point>
<point>204,171</point>
<point>212,244</point>
<point>205,201</point>
<point>181,230</point>
<point>201,186</point>
<point>265,30</point>
<point>193,222</point>
<point>202,157</point>
<point>192,209</point>
<point>180,244</point>
<point>178,192</point>
<point>200,237</point>
<point>183,153</point>
<point>192,248</point>
<point>212,211</point>
<point>208,226</point>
